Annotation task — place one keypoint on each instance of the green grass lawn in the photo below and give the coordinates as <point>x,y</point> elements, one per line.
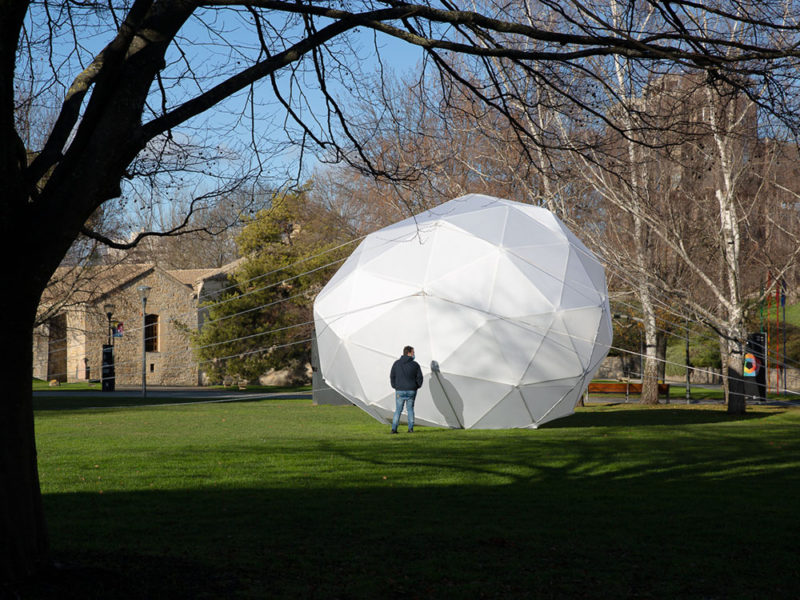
<point>39,385</point>
<point>282,499</point>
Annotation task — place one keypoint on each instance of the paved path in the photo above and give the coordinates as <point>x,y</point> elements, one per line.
<point>160,394</point>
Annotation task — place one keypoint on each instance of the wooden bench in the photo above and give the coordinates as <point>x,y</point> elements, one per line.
<point>623,387</point>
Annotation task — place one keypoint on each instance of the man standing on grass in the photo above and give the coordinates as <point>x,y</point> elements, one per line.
<point>406,379</point>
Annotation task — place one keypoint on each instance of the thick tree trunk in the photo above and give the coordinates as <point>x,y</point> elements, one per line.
<point>23,535</point>
<point>24,548</point>
<point>650,377</point>
<point>734,390</point>
<point>650,371</point>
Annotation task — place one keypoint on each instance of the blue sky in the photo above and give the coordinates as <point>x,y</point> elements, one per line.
<point>216,127</point>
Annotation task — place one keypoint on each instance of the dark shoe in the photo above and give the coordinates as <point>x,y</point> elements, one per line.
<point>410,431</point>
<point>393,431</point>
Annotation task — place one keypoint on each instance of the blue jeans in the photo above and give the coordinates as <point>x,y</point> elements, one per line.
<point>404,397</point>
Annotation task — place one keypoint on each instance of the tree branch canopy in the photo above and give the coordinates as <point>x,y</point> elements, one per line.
<point>134,109</point>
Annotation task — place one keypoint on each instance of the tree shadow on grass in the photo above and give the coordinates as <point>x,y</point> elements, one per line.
<point>641,416</point>
<point>563,538</point>
<point>519,514</point>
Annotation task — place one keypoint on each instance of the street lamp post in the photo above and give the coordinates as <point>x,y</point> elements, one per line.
<point>688,366</point>
<point>144,290</point>
<point>107,375</point>
<point>109,310</point>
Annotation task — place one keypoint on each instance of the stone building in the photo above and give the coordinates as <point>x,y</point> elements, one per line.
<point>68,345</point>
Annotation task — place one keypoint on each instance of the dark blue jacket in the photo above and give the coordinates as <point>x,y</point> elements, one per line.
<point>406,374</point>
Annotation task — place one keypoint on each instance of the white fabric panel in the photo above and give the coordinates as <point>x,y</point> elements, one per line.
<point>543,217</point>
<point>516,292</point>
<point>517,346</point>
<point>479,358</point>
<point>549,267</point>
<point>343,324</point>
<point>472,285</point>
<point>538,325</point>
<point>540,398</point>
<point>488,224</point>
<point>406,320</point>
<point>500,294</point>
<point>440,401</point>
<point>373,289</point>
<point>401,263</point>
<point>476,396</point>
<point>578,289</point>
<point>449,327</point>
<point>582,324</point>
<point>454,250</point>
<point>602,340</point>
<point>343,377</point>
<point>377,411</point>
<point>509,412</point>
<point>564,408</point>
<point>594,270</point>
<point>336,295</point>
<point>373,381</point>
<point>554,359</point>
<point>327,340</point>
<point>523,231</point>
<point>359,298</point>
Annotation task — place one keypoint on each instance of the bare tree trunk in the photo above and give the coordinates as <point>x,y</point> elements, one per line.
<point>642,243</point>
<point>723,122</point>
<point>650,358</point>
<point>735,387</point>
<point>23,534</point>
<point>650,374</point>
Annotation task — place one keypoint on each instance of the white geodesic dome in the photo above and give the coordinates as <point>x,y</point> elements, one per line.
<point>507,311</point>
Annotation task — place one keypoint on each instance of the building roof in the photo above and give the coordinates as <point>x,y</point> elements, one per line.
<point>193,277</point>
<point>82,285</point>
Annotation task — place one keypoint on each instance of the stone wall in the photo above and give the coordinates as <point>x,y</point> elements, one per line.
<point>41,338</point>
<point>173,362</point>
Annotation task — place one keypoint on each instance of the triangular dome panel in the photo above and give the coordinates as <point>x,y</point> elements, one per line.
<point>478,396</point>
<point>563,408</point>
<point>488,224</point>
<point>511,411</point>
<point>404,264</point>
<point>555,359</point>
<point>373,382</point>
<point>470,286</point>
<point>578,288</point>
<point>455,250</point>
<point>580,324</point>
<point>342,375</point>
<point>517,345</point>
<point>602,341</point>
<point>541,398</point>
<point>516,291</point>
<point>479,358</point>
<point>406,323</point>
<point>522,231</point>
<point>450,326</point>
<point>549,267</point>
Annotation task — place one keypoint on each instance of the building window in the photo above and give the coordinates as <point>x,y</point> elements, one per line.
<point>151,333</point>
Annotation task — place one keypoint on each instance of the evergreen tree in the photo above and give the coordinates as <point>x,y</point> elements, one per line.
<point>264,319</point>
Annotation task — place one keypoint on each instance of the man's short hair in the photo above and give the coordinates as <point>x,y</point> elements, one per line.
<point>408,350</point>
